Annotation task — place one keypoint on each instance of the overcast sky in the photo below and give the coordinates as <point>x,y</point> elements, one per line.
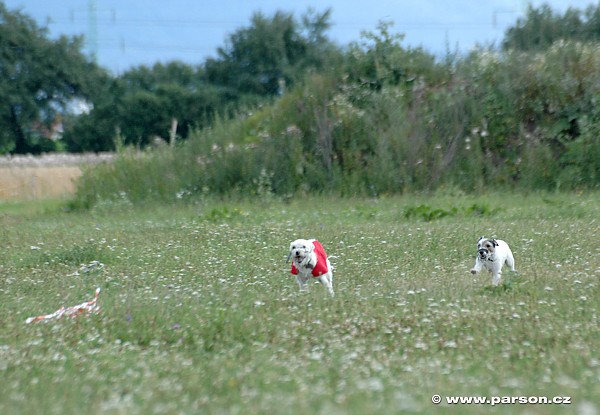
<point>128,33</point>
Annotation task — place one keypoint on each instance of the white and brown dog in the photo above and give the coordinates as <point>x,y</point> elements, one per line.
<point>492,254</point>
<point>309,260</point>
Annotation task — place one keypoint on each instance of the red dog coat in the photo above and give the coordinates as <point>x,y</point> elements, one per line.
<point>321,267</point>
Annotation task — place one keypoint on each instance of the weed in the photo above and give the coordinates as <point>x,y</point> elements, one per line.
<point>480,209</point>
<point>223,214</point>
<point>427,213</point>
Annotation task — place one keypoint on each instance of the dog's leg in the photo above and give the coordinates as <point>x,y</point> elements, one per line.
<point>477,267</point>
<point>330,287</point>
<point>302,283</point>
<point>496,277</point>
<point>510,261</point>
<point>326,280</point>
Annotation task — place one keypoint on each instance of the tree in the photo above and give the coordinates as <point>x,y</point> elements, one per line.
<point>38,79</point>
<point>142,104</point>
<point>541,27</point>
<point>258,59</point>
<point>254,65</point>
<point>181,92</point>
<point>380,59</point>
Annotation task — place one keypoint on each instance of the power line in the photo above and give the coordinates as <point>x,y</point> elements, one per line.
<point>92,37</point>
<point>198,23</point>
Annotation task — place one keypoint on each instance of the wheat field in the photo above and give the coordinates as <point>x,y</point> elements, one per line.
<point>27,183</point>
<point>48,176</point>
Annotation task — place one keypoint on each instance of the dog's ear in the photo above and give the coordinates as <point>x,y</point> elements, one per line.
<point>290,252</point>
<point>480,238</point>
<point>494,242</point>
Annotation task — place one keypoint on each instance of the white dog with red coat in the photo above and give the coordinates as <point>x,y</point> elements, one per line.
<point>309,260</point>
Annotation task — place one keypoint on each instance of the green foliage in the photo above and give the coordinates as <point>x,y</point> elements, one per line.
<point>222,214</point>
<point>76,255</point>
<point>541,27</point>
<point>502,120</point>
<point>95,131</point>
<point>538,167</point>
<point>134,178</point>
<point>581,159</point>
<point>259,62</point>
<point>272,53</point>
<point>480,209</point>
<point>38,79</point>
<point>142,105</point>
<point>427,213</point>
<point>379,59</point>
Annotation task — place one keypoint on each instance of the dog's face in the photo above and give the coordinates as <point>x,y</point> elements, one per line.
<point>486,248</point>
<point>299,250</point>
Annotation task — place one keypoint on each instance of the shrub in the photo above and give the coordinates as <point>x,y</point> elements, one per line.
<point>581,160</point>
<point>490,120</point>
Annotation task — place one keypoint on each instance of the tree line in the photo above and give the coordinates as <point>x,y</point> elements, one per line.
<point>40,78</point>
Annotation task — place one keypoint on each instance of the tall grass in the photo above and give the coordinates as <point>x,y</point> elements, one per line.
<point>200,313</point>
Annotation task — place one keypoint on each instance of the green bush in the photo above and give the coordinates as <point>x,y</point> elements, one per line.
<point>581,160</point>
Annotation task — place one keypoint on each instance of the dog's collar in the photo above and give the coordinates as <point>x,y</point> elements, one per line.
<point>489,258</point>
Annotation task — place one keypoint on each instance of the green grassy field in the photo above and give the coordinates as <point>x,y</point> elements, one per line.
<point>201,315</point>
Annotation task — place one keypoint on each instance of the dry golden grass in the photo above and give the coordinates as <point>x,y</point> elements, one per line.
<point>27,177</point>
<point>37,182</point>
